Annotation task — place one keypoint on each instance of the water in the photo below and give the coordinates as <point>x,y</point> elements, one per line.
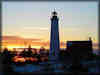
<point>27,68</point>
<point>41,67</point>
<point>93,66</point>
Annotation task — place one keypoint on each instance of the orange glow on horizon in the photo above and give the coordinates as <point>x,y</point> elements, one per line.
<point>11,47</point>
<point>12,42</point>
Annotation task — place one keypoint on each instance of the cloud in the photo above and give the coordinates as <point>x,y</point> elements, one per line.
<point>71,29</point>
<point>15,38</point>
<point>36,28</point>
<point>10,37</point>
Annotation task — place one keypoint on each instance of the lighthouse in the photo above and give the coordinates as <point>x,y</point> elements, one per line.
<point>54,37</point>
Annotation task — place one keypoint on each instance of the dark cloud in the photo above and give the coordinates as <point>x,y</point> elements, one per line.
<point>19,38</point>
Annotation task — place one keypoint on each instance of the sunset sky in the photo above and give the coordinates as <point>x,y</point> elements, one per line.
<point>29,22</point>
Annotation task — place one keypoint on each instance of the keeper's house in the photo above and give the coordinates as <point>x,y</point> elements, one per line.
<point>81,48</point>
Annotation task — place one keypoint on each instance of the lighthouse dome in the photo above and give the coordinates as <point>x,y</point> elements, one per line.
<point>54,13</point>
